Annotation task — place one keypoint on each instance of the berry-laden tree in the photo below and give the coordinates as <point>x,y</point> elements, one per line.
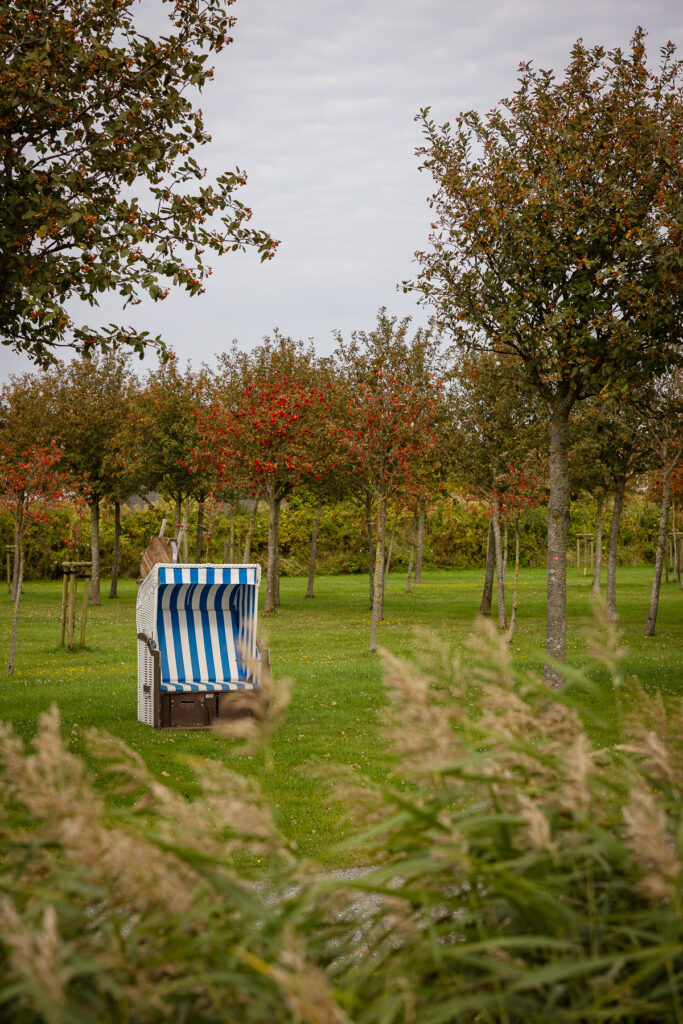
<point>170,432</point>
<point>99,189</point>
<point>25,422</point>
<point>30,481</point>
<point>558,243</point>
<point>388,435</point>
<point>272,435</point>
<point>390,352</point>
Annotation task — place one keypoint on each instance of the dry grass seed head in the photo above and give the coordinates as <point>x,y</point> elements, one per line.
<point>536,836</point>
<point>363,801</point>
<point>576,794</point>
<point>646,837</point>
<point>252,731</point>
<point>654,734</point>
<point>603,640</point>
<point>418,730</point>
<point>36,954</point>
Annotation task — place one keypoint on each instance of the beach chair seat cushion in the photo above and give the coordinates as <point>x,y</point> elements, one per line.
<point>204,687</point>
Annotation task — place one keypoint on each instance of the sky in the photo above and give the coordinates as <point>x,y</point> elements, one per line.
<point>316,100</point>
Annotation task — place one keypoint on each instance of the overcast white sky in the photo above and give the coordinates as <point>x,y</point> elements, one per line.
<point>315,99</point>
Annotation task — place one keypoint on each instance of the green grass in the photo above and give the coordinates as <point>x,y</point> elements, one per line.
<point>321,644</point>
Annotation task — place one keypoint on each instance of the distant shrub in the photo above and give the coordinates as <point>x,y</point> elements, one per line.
<point>456,535</point>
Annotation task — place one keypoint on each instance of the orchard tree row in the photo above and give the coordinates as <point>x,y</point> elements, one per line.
<point>388,421</point>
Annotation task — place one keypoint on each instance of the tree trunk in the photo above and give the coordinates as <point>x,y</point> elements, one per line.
<point>611,598</point>
<point>413,538</point>
<point>18,529</point>
<point>114,588</point>
<point>500,575</point>
<point>250,532</point>
<point>598,543</point>
<point>232,535</point>
<point>17,599</point>
<point>273,535</point>
<point>178,514</point>
<point>276,581</point>
<point>378,597</point>
<point>505,553</point>
<point>199,540</point>
<point>95,549</point>
<point>314,549</point>
<point>387,564</point>
<point>660,553</point>
<point>487,596</point>
<point>515,587</point>
<point>558,532</point>
<point>371,553</point>
<point>186,523</point>
<point>420,542</point>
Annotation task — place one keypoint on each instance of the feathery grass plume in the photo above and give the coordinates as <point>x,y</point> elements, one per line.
<point>255,733</point>
<point>363,801</point>
<point>417,723</point>
<point>536,835</point>
<point>654,734</point>
<point>649,842</point>
<point>306,990</point>
<point>578,765</point>
<point>229,807</point>
<point>604,641</point>
<point>36,954</point>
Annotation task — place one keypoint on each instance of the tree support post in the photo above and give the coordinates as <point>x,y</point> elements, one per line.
<point>72,570</point>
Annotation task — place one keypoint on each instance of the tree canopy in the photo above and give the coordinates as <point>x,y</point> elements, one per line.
<point>99,189</point>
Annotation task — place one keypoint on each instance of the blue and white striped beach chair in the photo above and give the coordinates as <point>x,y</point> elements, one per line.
<point>197,645</point>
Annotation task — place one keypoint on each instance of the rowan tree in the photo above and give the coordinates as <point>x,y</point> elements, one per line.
<point>30,481</point>
<point>390,352</point>
<point>100,190</point>
<point>25,422</point>
<point>271,435</point>
<point>172,397</point>
<point>388,433</point>
<point>557,243</point>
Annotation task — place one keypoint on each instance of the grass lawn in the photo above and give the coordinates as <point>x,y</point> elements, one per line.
<point>321,644</point>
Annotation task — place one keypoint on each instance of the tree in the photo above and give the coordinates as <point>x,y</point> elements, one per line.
<point>388,435</point>
<point>171,400</point>
<point>389,352</point>
<point>125,466</point>
<point>666,417</point>
<point>557,243</point>
<point>591,465</point>
<point>271,434</point>
<point>496,424</point>
<point>25,422</point>
<point>90,410</point>
<point>99,189</point>
<point>29,481</point>
<point>523,489</point>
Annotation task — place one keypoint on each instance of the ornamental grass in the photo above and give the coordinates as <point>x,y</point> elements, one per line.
<point>517,869</point>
